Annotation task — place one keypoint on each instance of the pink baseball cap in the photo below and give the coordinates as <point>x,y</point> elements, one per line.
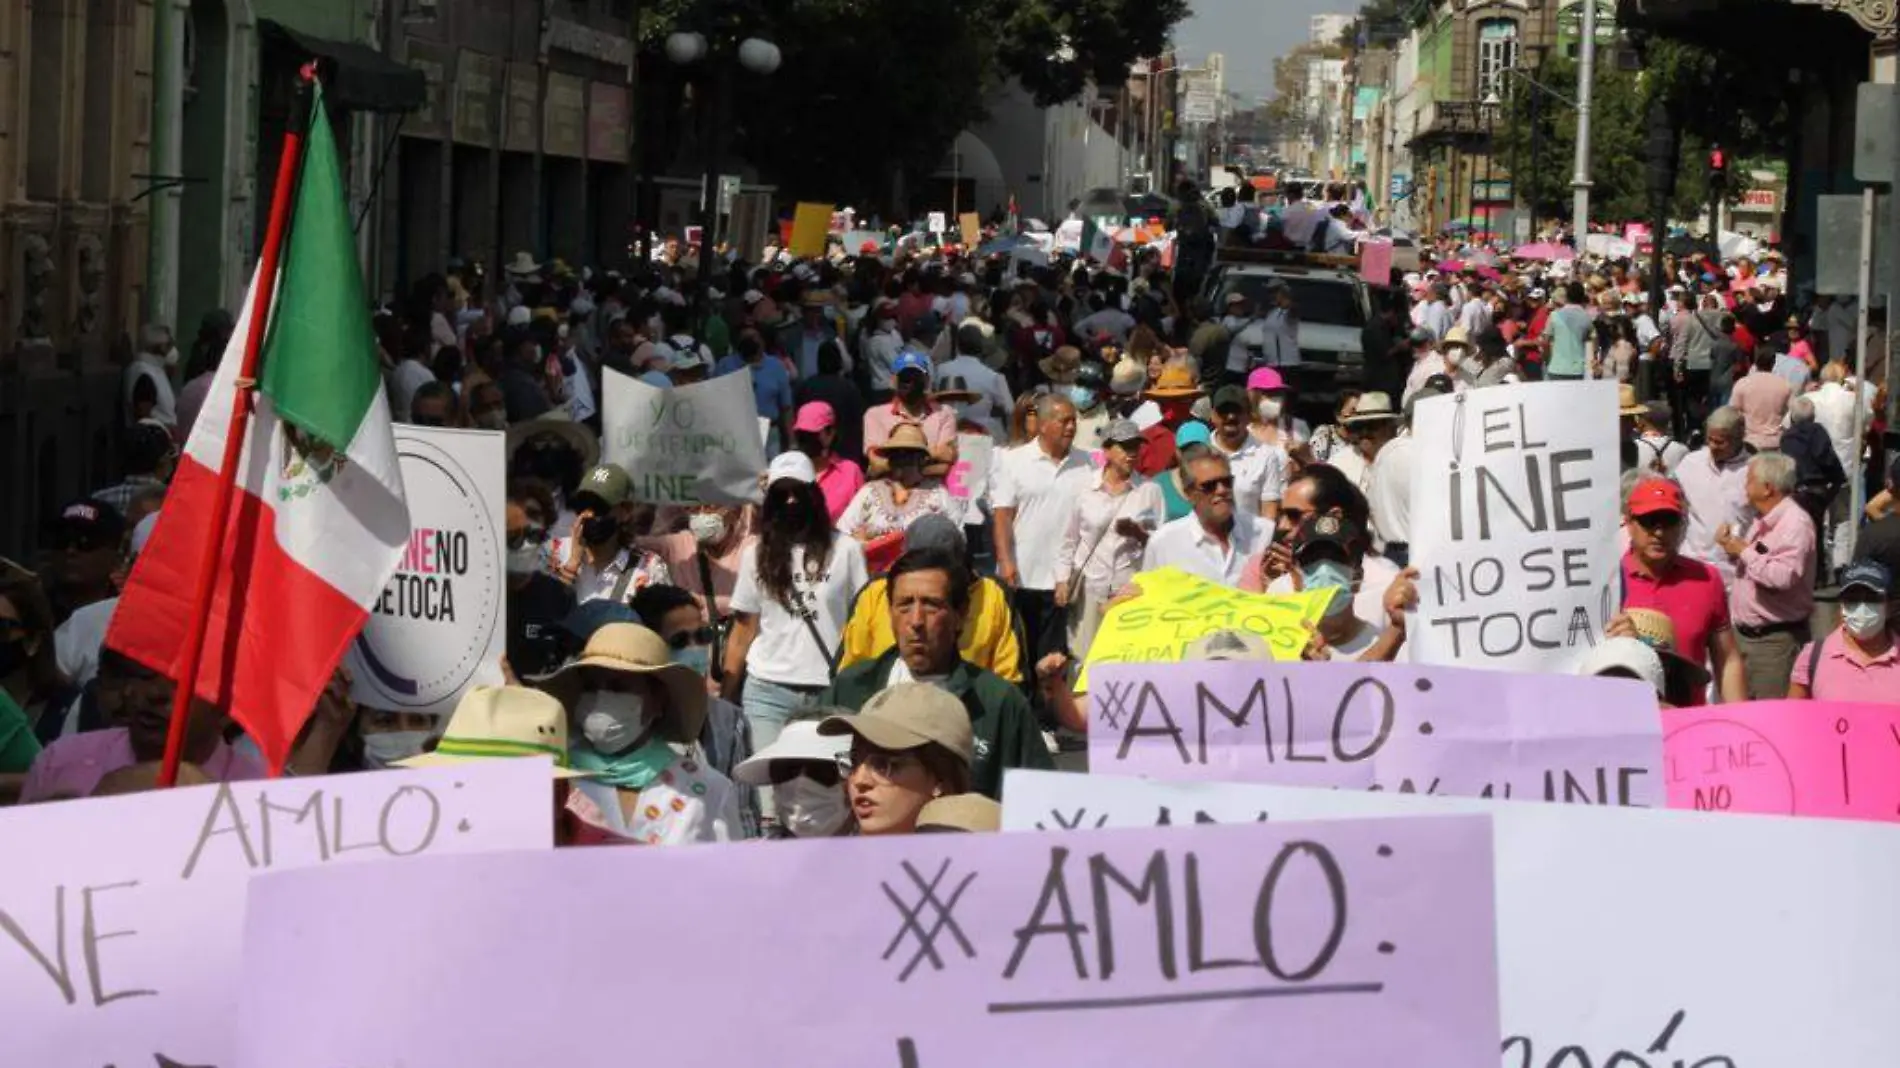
<point>1265,379</point>
<point>814,416</point>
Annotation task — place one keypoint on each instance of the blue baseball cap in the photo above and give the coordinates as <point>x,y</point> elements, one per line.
<point>1193,432</point>
<point>1870,574</point>
<point>910,360</point>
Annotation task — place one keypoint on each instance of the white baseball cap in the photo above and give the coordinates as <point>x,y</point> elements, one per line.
<point>791,464</point>
<point>1627,657</point>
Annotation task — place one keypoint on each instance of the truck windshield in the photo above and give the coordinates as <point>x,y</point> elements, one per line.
<point>1330,302</point>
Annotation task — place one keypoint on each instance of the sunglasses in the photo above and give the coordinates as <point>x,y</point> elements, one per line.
<point>1656,521</point>
<point>1209,485</point>
<point>884,765</point>
<point>697,636</point>
<point>822,772</point>
<point>527,536</point>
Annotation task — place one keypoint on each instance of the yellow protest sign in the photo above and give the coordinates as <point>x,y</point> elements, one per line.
<point>971,224</point>
<point>810,224</point>
<point>1175,608</point>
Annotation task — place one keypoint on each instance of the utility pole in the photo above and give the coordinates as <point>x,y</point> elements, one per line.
<point>1586,80</point>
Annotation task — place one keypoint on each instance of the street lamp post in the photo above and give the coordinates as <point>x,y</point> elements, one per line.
<point>1490,108</point>
<point>756,55</point>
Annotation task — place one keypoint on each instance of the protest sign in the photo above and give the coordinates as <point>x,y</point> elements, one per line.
<point>121,918</point>
<point>1627,938</point>
<point>1401,727</point>
<point>855,240</point>
<point>970,226</point>
<point>1352,945</point>
<point>1375,262</point>
<point>937,222</point>
<point>1514,525</point>
<point>1175,608</point>
<point>811,224</point>
<point>441,624</point>
<point>1797,758</point>
<point>969,477</point>
<point>685,445</point>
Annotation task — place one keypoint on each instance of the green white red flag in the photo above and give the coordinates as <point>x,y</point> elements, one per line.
<point>317,521</point>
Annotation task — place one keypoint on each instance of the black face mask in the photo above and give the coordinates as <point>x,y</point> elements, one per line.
<point>12,657</point>
<point>809,443</point>
<point>599,529</point>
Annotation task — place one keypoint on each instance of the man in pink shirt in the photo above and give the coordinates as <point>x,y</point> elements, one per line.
<point>1657,576</point>
<point>1774,577</point>
<point>1762,397</point>
<point>137,702</point>
<point>814,429</point>
<point>1860,661</point>
<point>911,374</point>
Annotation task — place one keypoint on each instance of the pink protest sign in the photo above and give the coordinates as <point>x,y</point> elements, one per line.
<point>1375,262</point>
<point>1797,758</point>
<point>1409,728</point>
<point>1350,944</point>
<point>121,918</point>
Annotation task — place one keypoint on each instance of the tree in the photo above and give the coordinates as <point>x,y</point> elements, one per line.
<point>1058,48</point>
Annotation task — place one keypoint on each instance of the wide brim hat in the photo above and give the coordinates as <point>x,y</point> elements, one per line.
<point>555,423</point>
<point>1062,364</point>
<point>1626,402</point>
<point>798,741</point>
<point>1656,630</point>
<point>522,265</point>
<point>501,722</point>
<point>1175,381</point>
<point>1373,407</point>
<point>955,389</point>
<point>635,650</point>
<point>905,437</point>
<point>1127,378</point>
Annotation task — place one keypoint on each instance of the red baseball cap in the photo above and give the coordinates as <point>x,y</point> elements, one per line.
<point>1654,495</point>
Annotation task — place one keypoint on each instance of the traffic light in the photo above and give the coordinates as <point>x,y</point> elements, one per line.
<point>1662,149</point>
<point>1718,166</point>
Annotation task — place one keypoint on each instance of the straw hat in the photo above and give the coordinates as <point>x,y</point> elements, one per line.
<point>494,722</point>
<point>523,266</point>
<point>1626,402</point>
<point>905,437</point>
<point>555,423</point>
<point>1127,378</point>
<point>1374,407</point>
<point>955,389</point>
<point>1175,381</point>
<point>635,650</point>
<point>1656,630</point>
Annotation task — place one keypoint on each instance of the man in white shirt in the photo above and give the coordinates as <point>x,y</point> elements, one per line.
<point>1215,541</point>
<point>404,379</point>
<point>1259,468</point>
<point>1387,483</point>
<point>147,387</point>
<point>1299,219</point>
<point>1475,316</point>
<point>1032,493</point>
<point>1834,405</point>
<point>1436,316</point>
<point>1714,482</point>
<point>967,376</point>
<point>881,348</point>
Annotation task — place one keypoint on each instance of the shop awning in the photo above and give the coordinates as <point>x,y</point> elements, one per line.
<point>357,77</point>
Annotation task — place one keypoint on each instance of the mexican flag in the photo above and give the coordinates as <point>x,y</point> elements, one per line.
<point>317,520</point>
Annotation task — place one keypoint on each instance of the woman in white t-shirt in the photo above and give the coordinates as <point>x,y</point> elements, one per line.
<point>790,602</point>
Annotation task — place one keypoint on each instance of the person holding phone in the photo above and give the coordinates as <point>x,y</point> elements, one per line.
<point>1105,535</point>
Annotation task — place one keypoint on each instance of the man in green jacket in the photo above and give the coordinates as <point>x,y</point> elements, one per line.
<point>930,593</point>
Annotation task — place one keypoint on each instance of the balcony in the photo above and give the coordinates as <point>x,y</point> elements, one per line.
<point>1450,121</point>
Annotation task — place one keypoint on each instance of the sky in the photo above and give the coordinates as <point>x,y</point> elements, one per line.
<point>1251,34</point>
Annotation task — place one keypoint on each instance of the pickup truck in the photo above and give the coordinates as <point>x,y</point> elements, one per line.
<point>1333,305</point>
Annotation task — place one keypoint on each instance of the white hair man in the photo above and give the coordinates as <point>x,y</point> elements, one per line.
<point>1773,595</point>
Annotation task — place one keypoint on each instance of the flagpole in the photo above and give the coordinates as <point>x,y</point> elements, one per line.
<point>235,433</point>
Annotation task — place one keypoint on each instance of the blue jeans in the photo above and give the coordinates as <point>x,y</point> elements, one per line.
<point>768,707</point>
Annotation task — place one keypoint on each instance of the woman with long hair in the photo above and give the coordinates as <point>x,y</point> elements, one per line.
<point>790,603</point>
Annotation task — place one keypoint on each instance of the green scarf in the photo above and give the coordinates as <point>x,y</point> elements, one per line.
<point>635,769</point>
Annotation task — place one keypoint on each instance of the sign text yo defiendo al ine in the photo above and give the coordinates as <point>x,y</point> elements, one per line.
<point>1514,516</point>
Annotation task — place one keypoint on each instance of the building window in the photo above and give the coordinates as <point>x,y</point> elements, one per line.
<point>1497,53</point>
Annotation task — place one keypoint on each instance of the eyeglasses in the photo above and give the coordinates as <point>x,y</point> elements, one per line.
<point>822,772</point>
<point>1293,517</point>
<point>527,536</point>
<point>684,638</point>
<point>1209,485</point>
<point>882,764</point>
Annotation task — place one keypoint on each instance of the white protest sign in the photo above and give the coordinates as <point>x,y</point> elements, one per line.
<point>441,624</point>
<point>122,918</point>
<point>1627,938</point>
<point>687,445</point>
<point>1514,517</point>
<point>939,222</point>
<point>969,478</point>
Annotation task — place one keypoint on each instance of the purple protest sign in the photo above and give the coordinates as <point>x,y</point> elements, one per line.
<point>121,918</point>
<point>1405,727</point>
<point>1351,944</point>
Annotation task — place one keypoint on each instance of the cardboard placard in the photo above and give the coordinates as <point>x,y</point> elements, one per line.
<point>685,445</point>
<point>1797,758</point>
<point>811,224</point>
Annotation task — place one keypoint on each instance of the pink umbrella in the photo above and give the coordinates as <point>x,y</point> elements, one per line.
<point>1547,251</point>
<point>1450,265</point>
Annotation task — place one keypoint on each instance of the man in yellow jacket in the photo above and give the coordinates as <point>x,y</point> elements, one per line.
<point>990,637</point>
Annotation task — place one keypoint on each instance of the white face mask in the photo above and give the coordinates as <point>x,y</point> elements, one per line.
<point>1864,620</point>
<point>384,748</point>
<point>709,528</point>
<point>611,722</point>
<point>525,560</point>
<point>810,809</point>
<point>1269,409</point>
